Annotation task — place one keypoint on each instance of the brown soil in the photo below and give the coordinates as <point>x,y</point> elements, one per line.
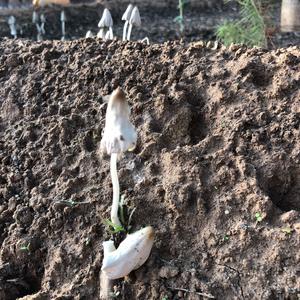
<point>218,143</point>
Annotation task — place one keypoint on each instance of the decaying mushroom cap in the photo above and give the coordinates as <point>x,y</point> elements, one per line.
<point>119,134</point>
<point>127,13</point>
<point>130,255</point>
<point>106,20</point>
<point>135,18</point>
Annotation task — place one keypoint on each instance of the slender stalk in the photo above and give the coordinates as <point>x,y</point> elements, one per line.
<point>181,22</point>
<point>63,30</point>
<point>101,34</point>
<point>129,32</point>
<point>125,30</point>
<point>111,34</point>
<point>116,189</point>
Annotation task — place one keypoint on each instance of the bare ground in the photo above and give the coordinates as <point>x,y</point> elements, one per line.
<point>218,144</point>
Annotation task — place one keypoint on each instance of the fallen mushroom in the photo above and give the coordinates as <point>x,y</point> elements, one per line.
<point>106,22</point>
<point>126,17</point>
<point>119,136</point>
<point>130,255</point>
<point>135,19</point>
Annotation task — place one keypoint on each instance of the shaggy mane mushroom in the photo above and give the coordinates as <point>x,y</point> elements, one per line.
<point>119,136</point>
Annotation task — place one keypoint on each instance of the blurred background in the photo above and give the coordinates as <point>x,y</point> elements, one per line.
<point>255,23</point>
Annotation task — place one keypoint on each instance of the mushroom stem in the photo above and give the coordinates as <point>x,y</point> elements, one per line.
<point>116,189</point>
<point>125,30</point>
<point>146,39</point>
<point>129,32</point>
<point>111,34</point>
<point>105,287</point>
<point>63,25</point>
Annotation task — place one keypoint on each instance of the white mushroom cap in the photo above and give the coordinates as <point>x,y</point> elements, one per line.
<point>11,20</point>
<point>127,13</point>
<point>119,134</point>
<point>106,20</point>
<point>130,255</point>
<point>135,18</point>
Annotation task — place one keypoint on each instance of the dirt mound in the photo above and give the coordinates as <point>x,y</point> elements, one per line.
<point>216,170</point>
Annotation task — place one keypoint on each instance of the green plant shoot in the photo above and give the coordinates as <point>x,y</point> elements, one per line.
<point>180,18</point>
<point>250,29</point>
<point>113,228</point>
<point>258,217</point>
<point>25,247</point>
<point>287,230</point>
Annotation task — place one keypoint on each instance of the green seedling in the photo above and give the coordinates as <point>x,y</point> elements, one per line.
<point>165,298</point>
<point>113,228</point>
<point>115,294</point>
<point>180,18</point>
<point>87,241</point>
<point>226,238</point>
<point>250,29</point>
<point>287,230</point>
<point>122,208</point>
<point>258,217</point>
<point>25,248</point>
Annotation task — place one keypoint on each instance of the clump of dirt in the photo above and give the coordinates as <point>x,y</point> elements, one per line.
<point>216,170</point>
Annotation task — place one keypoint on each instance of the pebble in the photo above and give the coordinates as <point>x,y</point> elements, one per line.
<point>168,272</point>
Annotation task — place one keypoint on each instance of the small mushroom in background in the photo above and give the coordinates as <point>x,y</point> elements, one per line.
<point>40,28</point>
<point>35,17</point>
<point>89,34</point>
<point>12,25</point>
<point>106,22</point>
<point>119,136</point>
<point>135,19</point>
<point>63,25</point>
<point>126,17</point>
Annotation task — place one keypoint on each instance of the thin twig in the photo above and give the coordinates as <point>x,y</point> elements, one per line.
<point>209,296</point>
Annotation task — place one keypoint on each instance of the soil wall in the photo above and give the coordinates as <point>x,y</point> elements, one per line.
<point>216,169</point>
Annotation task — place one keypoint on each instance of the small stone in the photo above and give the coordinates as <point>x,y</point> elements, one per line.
<point>290,216</point>
<point>168,272</point>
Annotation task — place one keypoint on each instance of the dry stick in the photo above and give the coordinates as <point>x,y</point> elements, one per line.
<point>188,291</point>
<point>116,189</point>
